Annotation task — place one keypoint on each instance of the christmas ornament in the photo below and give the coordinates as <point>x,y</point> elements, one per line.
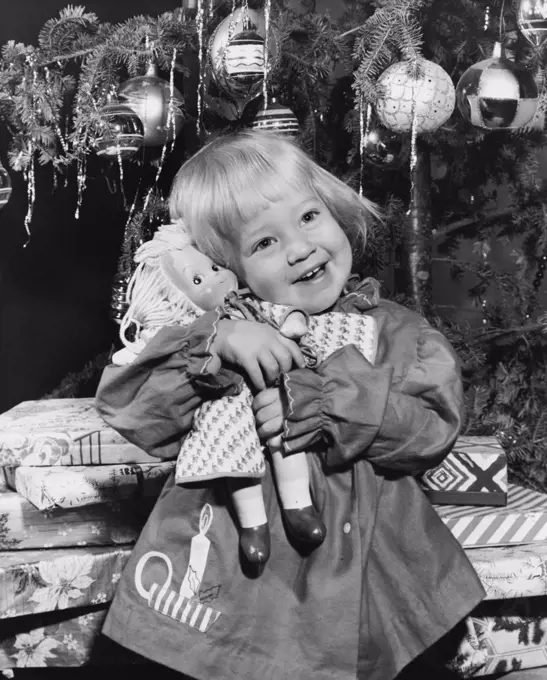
<point>426,100</point>
<point>118,300</point>
<point>5,186</point>
<point>496,94</point>
<point>122,131</point>
<point>158,104</point>
<point>277,118</point>
<point>532,20</point>
<point>237,60</point>
<point>383,148</point>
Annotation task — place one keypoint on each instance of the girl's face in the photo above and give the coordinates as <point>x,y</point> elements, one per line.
<point>295,253</point>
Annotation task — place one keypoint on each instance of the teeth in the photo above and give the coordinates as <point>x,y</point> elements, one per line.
<point>311,274</point>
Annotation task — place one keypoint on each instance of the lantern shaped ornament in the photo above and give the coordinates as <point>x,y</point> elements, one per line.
<point>240,53</point>
<point>160,107</point>
<point>532,20</point>
<point>277,118</point>
<point>5,186</point>
<point>426,100</point>
<point>496,94</point>
<point>122,131</point>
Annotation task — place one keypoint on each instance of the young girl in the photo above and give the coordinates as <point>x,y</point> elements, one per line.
<point>390,580</point>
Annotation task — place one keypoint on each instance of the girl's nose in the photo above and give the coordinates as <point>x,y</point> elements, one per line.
<point>299,249</point>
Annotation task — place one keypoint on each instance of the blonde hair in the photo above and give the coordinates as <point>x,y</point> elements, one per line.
<point>153,300</point>
<point>236,176</point>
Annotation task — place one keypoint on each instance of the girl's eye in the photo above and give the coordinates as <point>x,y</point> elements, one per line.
<point>198,280</point>
<point>309,216</point>
<point>264,243</point>
<point>215,268</point>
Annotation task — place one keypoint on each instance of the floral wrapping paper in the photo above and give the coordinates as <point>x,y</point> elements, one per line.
<point>24,527</point>
<point>80,485</point>
<point>62,432</point>
<point>35,581</point>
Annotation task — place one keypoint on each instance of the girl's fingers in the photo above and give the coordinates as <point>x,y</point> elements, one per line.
<point>295,352</point>
<point>254,372</point>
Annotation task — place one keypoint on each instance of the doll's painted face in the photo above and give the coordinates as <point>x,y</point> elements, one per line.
<point>205,283</point>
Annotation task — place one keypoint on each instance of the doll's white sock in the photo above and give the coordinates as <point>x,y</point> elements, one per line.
<point>248,502</point>
<point>293,480</point>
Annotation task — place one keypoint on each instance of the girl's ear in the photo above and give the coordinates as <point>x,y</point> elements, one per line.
<point>172,265</point>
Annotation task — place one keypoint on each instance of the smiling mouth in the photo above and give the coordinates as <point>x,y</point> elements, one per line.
<point>312,275</point>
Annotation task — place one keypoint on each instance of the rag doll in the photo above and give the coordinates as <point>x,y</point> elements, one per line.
<point>173,284</point>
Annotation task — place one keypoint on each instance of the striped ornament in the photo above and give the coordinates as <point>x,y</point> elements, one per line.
<point>522,521</point>
<point>5,186</point>
<point>277,118</point>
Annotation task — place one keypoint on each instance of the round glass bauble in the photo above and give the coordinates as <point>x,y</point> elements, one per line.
<point>384,148</point>
<point>160,110</point>
<point>277,118</point>
<point>121,131</point>
<point>240,53</point>
<point>496,94</point>
<point>423,91</point>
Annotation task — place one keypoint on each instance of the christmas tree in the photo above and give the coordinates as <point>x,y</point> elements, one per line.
<point>433,108</point>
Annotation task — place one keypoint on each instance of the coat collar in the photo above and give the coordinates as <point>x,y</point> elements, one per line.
<point>359,295</point>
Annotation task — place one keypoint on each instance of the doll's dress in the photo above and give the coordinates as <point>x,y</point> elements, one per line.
<point>223,441</point>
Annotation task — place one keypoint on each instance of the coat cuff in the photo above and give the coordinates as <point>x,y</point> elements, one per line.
<point>199,356</point>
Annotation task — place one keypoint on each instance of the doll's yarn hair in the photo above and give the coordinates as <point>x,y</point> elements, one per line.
<point>236,176</point>
<point>154,301</point>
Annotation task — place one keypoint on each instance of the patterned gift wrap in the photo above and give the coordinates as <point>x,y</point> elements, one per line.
<point>502,636</point>
<point>62,432</point>
<point>60,639</point>
<point>473,473</point>
<point>23,527</point>
<point>512,571</point>
<point>34,581</point>
<point>80,485</point>
<point>523,520</point>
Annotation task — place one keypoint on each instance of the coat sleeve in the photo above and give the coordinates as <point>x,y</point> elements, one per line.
<point>151,402</point>
<point>403,420</point>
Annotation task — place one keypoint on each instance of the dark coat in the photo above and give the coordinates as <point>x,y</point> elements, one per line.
<point>389,580</point>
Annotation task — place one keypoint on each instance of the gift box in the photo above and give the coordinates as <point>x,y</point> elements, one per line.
<point>523,520</point>
<point>34,581</point>
<point>24,527</point>
<point>473,473</point>
<point>80,485</point>
<point>501,637</point>
<point>62,432</point>
<point>60,639</point>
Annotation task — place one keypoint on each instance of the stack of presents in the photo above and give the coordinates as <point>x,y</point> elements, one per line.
<point>75,495</point>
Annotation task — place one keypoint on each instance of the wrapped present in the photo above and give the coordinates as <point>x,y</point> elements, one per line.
<point>501,637</point>
<point>34,581</point>
<point>473,473</point>
<point>511,571</point>
<point>60,639</point>
<point>24,527</point>
<point>523,520</point>
<point>80,485</point>
<point>62,432</point>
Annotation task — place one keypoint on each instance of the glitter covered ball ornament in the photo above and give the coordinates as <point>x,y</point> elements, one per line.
<point>121,132</point>
<point>277,118</point>
<point>5,186</point>
<point>384,148</point>
<point>160,110</point>
<point>430,96</point>
<point>532,20</point>
<point>240,53</point>
<point>495,94</point>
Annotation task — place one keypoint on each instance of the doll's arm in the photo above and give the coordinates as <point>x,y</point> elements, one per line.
<point>402,414</point>
<point>151,401</point>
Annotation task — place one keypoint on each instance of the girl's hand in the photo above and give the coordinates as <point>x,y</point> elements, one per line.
<point>260,350</point>
<point>268,410</point>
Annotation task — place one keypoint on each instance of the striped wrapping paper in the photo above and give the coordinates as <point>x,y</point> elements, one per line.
<point>523,520</point>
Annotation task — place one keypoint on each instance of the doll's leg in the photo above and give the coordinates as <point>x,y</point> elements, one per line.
<point>254,536</point>
<point>293,484</point>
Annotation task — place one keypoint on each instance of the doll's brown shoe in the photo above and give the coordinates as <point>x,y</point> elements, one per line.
<point>306,525</point>
<point>255,543</point>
